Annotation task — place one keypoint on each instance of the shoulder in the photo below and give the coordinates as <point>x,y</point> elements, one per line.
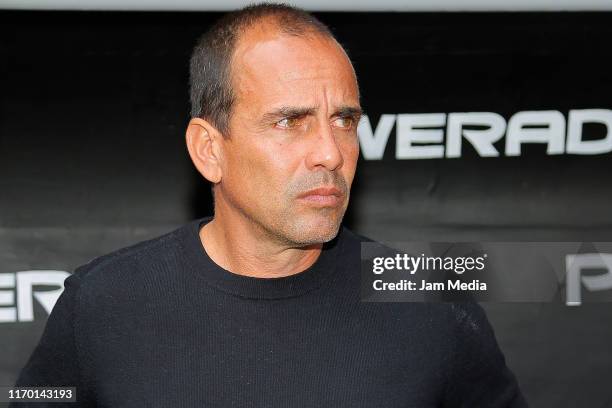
<point>479,374</point>
<point>354,247</point>
<point>350,241</point>
<point>350,236</point>
<point>131,261</point>
<point>471,324</point>
<point>473,337</point>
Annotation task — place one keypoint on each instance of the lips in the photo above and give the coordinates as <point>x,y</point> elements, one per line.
<point>322,191</point>
<point>324,196</point>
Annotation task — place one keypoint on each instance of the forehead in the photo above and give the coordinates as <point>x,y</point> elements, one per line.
<point>268,65</point>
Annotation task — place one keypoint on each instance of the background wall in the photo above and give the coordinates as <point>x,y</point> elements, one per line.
<point>93,108</point>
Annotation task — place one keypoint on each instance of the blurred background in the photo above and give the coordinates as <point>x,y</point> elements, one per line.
<point>485,122</point>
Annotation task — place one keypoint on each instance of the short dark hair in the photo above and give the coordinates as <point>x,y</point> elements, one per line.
<point>211,90</point>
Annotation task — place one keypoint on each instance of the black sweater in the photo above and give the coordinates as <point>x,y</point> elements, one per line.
<point>159,324</point>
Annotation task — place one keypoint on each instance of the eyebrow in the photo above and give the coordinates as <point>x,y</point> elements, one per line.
<point>298,112</point>
<point>289,112</point>
<point>349,111</point>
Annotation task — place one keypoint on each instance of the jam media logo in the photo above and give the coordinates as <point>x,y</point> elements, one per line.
<point>575,267</point>
<point>17,293</point>
<point>441,135</point>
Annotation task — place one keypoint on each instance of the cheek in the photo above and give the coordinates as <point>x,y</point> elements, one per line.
<point>238,166</point>
<point>350,154</point>
<point>269,166</point>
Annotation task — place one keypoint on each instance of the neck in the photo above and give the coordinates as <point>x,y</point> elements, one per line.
<point>239,246</point>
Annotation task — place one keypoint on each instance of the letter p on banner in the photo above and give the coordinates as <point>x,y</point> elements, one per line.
<point>575,264</point>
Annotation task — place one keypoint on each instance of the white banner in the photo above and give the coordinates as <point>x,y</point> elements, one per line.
<point>316,5</point>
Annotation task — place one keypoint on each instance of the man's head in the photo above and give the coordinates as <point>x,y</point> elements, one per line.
<point>275,106</point>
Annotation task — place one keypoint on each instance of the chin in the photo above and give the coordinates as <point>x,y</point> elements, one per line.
<point>310,232</point>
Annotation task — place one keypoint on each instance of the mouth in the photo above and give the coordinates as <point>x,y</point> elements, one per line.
<point>323,197</point>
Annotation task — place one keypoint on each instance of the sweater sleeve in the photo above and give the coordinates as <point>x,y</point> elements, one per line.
<point>55,362</point>
<point>479,376</point>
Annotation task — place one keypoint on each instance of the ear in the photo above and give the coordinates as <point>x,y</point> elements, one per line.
<point>203,143</point>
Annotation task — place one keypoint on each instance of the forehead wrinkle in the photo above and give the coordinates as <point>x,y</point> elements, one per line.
<point>249,82</point>
<point>317,72</point>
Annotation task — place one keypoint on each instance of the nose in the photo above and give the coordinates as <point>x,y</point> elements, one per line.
<point>324,151</point>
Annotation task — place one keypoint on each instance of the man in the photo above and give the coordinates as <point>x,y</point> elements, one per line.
<point>259,306</point>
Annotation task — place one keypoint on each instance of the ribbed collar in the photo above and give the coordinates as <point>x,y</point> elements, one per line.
<point>251,287</point>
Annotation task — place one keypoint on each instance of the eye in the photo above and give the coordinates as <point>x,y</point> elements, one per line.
<point>344,122</point>
<point>287,123</point>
